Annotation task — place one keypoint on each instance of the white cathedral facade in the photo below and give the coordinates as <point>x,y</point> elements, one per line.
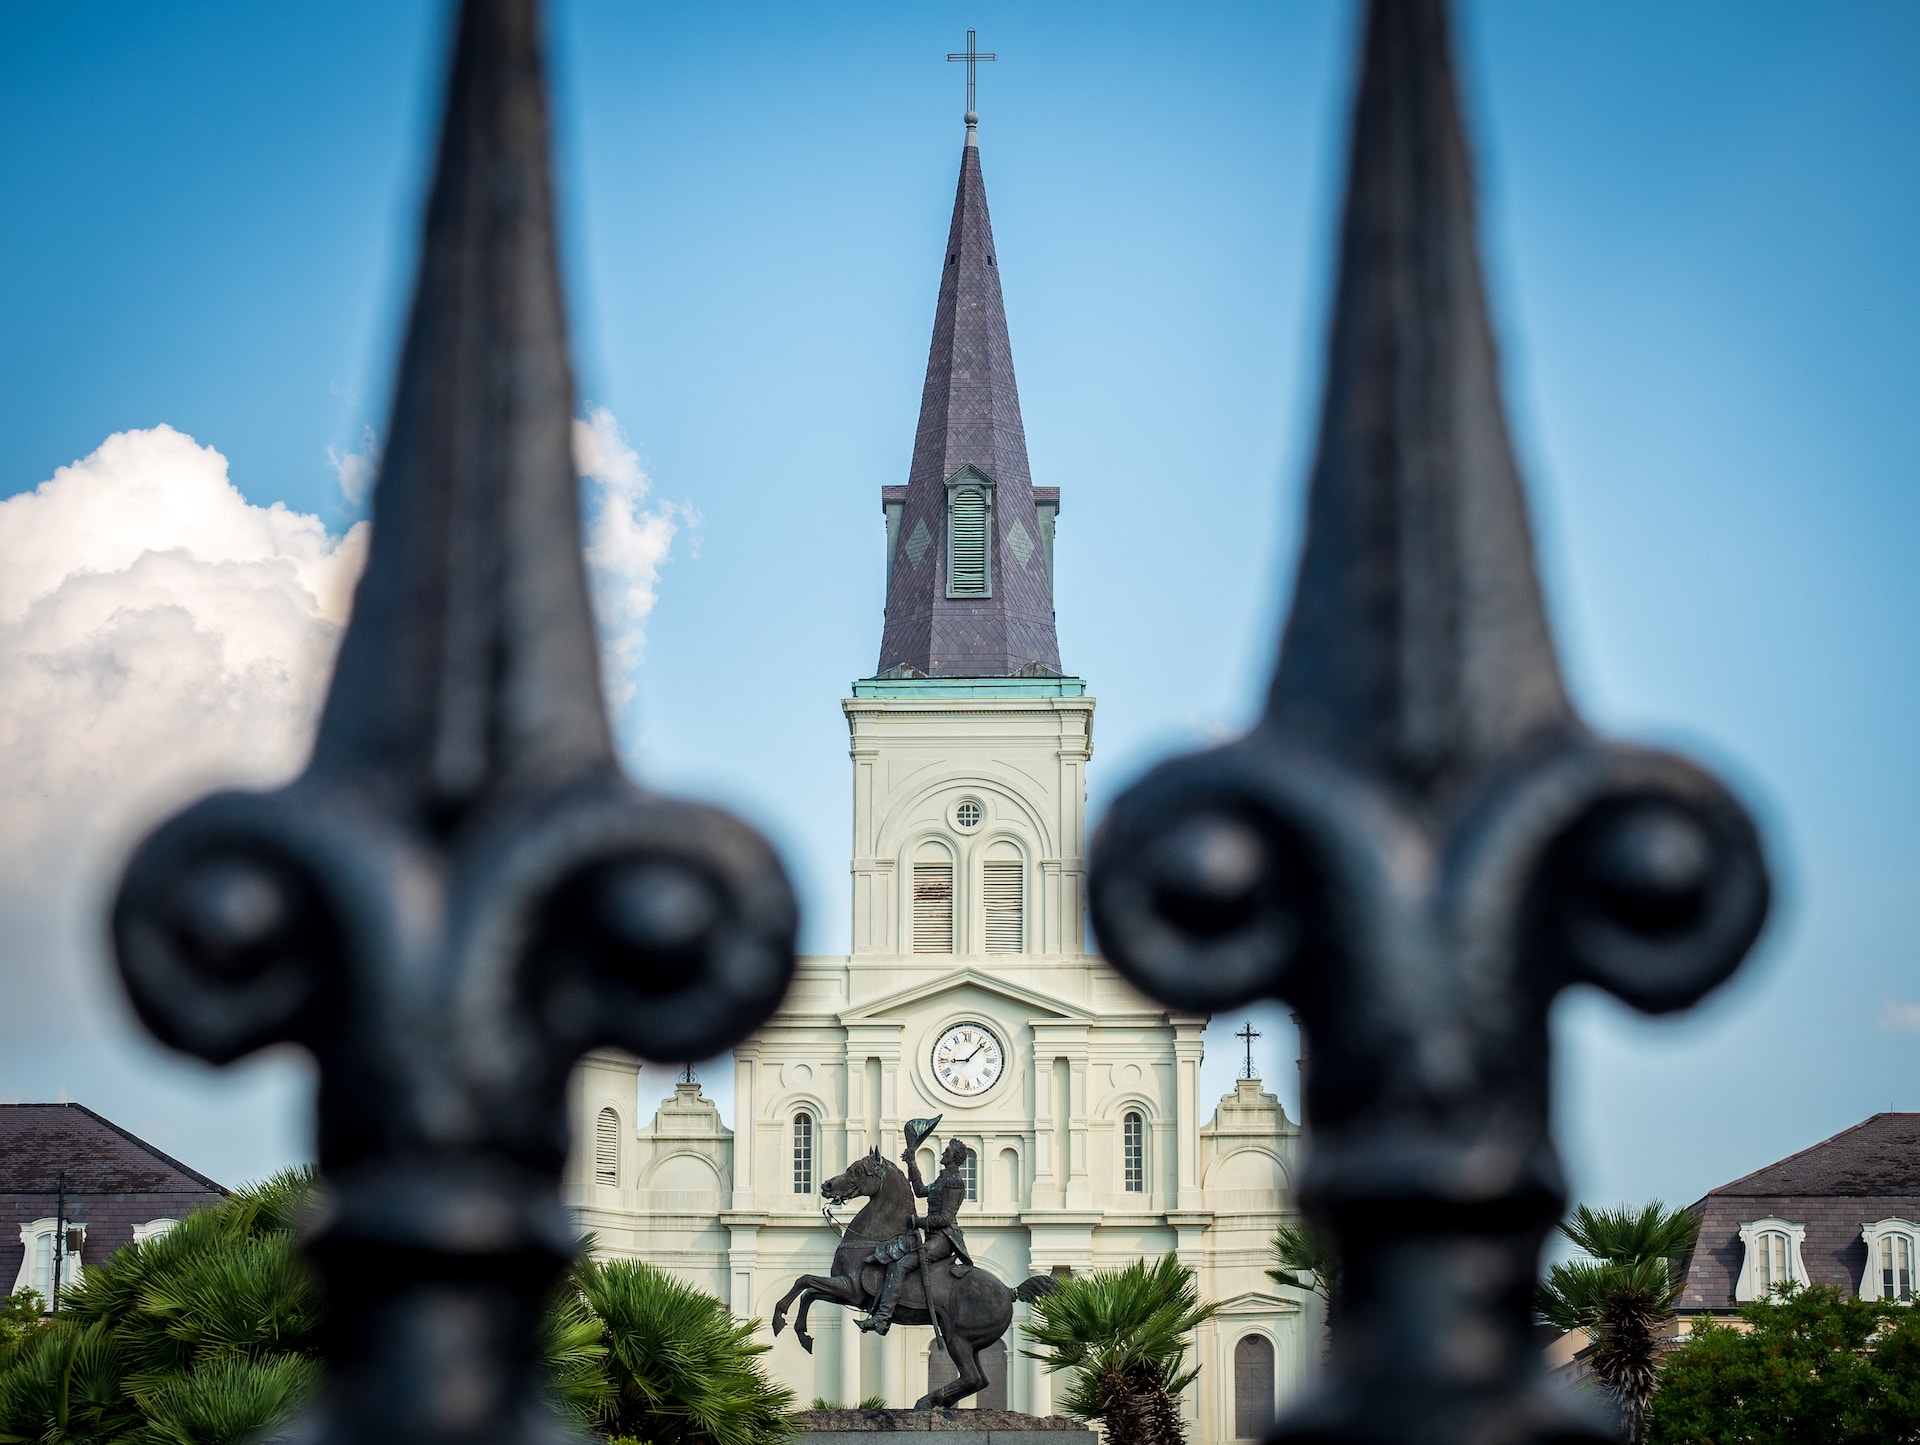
<point>969,992</point>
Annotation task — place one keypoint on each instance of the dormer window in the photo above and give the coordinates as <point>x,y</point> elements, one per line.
<point>969,518</point>
<point>1893,1249</point>
<point>1772,1258</point>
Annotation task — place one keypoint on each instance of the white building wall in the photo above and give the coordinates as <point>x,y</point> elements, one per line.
<point>852,1046</point>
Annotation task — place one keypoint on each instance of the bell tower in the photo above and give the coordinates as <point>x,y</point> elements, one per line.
<point>969,744</point>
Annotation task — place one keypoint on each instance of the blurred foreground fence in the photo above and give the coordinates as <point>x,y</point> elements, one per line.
<point>1418,846</point>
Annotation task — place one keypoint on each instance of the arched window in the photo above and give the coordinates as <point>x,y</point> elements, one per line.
<point>1896,1267</point>
<point>1252,1387</point>
<point>967,543</point>
<point>803,1153</point>
<point>1893,1252</point>
<point>606,1148</point>
<point>1010,1175</point>
<point>970,1171</point>
<point>1133,1151</point>
<point>1003,899</point>
<point>1772,1257</point>
<point>933,905</point>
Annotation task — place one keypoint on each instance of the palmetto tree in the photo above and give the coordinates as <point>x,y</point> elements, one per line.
<point>680,1370</point>
<point>1300,1249</point>
<point>1123,1334</point>
<point>203,1336</point>
<point>1623,1295</point>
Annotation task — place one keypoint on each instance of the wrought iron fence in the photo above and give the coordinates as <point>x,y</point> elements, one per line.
<point>1418,845</point>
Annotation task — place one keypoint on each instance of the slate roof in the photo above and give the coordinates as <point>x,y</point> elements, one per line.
<point>38,1141</point>
<point>970,416</point>
<point>115,1180</point>
<point>1867,1173</point>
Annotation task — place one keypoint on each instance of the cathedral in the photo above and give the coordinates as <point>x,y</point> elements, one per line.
<point>969,992</point>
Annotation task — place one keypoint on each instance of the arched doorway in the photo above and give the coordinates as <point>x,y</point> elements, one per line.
<point>1252,1387</point>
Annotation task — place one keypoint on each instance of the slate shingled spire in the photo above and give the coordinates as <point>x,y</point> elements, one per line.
<point>970,418</point>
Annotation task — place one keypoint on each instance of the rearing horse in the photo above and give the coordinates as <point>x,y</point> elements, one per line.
<point>975,1309</point>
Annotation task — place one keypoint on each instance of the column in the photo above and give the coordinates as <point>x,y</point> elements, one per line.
<point>743,1268</point>
<point>850,1391</point>
<point>890,1350</point>
<point>1079,1185</point>
<point>1044,1191</point>
<point>746,1066</point>
<point>1186,1072</point>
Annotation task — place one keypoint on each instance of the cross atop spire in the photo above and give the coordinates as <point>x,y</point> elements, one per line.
<point>1249,1033</point>
<point>972,55</point>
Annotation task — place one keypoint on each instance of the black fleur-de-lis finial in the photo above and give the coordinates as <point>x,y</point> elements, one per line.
<point>462,892</point>
<point>1420,843</point>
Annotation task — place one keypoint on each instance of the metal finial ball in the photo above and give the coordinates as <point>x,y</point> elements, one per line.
<point>973,117</point>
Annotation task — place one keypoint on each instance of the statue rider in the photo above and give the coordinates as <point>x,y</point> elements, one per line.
<point>940,1223</point>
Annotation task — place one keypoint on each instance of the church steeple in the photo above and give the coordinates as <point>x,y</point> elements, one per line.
<point>970,544</point>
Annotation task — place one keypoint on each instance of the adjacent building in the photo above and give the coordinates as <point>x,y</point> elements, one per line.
<point>1845,1212</point>
<point>75,1187</point>
<point>969,991</point>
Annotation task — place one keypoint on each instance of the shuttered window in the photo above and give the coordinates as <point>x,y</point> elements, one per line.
<point>967,544</point>
<point>803,1153</point>
<point>1003,897</point>
<point>933,908</point>
<point>1133,1131</point>
<point>606,1148</point>
<point>970,1171</point>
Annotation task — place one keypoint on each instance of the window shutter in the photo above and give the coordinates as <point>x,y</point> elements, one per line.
<point>933,908</point>
<point>967,544</point>
<point>1004,898</point>
<point>606,1148</point>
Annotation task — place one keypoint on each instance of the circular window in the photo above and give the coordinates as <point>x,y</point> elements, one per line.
<point>967,813</point>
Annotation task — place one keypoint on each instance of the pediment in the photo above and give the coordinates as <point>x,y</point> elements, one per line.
<point>1258,1302</point>
<point>1042,1006</point>
<point>970,476</point>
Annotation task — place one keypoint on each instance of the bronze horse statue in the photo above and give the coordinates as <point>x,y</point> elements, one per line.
<point>975,1309</point>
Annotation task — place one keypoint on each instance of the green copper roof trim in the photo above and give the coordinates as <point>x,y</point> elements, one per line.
<point>955,687</point>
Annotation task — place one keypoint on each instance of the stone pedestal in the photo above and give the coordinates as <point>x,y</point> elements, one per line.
<point>945,1427</point>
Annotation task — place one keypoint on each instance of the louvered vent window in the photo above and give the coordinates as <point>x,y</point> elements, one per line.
<point>1005,911</point>
<point>970,1171</point>
<point>803,1153</point>
<point>606,1148</point>
<point>1133,1132</point>
<point>933,908</point>
<point>967,544</point>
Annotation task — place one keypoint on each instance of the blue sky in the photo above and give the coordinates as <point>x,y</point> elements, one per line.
<point>1700,223</point>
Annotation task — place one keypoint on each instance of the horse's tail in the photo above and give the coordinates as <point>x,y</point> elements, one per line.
<point>1036,1285</point>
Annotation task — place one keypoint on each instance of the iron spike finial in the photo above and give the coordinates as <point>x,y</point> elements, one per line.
<point>1420,843</point>
<point>461,894</point>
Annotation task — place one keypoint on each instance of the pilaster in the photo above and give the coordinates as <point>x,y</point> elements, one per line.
<point>746,1117</point>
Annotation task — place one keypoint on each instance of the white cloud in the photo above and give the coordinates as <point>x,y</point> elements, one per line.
<point>627,544</point>
<point>357,469</point>
<point>1900,1018</point>
<point>160,635</point>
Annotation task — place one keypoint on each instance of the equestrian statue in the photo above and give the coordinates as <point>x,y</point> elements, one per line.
<point>900,1265</point>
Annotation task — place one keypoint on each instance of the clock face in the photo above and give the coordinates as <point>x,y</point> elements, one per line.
<point>968,1059</point>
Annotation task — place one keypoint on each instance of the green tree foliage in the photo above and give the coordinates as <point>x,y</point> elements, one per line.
<point>203,1336</point>
<point>1622,1294</point>
<point>208,1336</point>
<point>1123,1335</point>
<point>680,1369</point>
<point>1300,1249</point>
<point>1812,1367</point>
